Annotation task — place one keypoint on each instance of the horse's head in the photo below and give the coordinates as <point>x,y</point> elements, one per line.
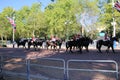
<point>89,39</point>
<point>115,39</point>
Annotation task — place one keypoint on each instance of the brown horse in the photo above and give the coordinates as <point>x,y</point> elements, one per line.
<point>54,44</point>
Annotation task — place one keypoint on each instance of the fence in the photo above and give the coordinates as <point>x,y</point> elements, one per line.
<point>57,69</point>
<point>13,65</point>
<point>33,69</point>
<point>101,66</point>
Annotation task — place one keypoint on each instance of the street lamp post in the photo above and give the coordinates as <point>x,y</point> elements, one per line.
<point>13,33</point>
<point>114,28</point>
<point>13,26</point>
<point>113,23</point>
<point>12,22</point>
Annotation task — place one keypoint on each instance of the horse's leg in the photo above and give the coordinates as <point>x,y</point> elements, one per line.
<point>25,47</point>
<point>35,47</point>
<point>47,46</point>
<point>59,47</point>
<point>29,46</point>
<point>54,48</point>
<point>113,49</point>
<point>18,45</point>
<point>99,48</point>
<point>80,49</point>
<point>87,48</point>
<point>71,49</point>
<point>67,49</point>
<point>51,47</point>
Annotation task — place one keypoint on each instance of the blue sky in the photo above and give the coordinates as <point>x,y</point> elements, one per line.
<point>17,4</point>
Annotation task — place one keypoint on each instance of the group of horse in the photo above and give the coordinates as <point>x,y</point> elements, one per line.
<point>85,41</point>
<point>79,43</point>
<point>70,44</point>
<point>27,43</point>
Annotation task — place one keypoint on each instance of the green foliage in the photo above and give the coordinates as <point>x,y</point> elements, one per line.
<point>59,18</point>
<point>107,18</point>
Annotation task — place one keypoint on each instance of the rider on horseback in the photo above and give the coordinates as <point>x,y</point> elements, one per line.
<point>76,37</point>
<point>106,37</point>
<point>33,38</point>
<point>53,39</point>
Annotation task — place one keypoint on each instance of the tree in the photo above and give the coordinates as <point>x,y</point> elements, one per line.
<point>6,28</point>
<point>107,18</point>
<point>60,18</point>
<point>36,21</point>
<point>57,14</point>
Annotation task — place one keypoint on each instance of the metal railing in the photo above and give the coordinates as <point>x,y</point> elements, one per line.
<point>8,62</point>
<point>38,65</point>
<point>28,65</point>
<point>59,64</point>
<point>92,70</point>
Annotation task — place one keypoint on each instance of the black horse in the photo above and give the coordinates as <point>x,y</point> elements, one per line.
<point>108,43</point>
<point>71,44</point>
<point>36,43</point>
<point>84,42</point>
<point>79,43</point>
<point>22,42</point>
